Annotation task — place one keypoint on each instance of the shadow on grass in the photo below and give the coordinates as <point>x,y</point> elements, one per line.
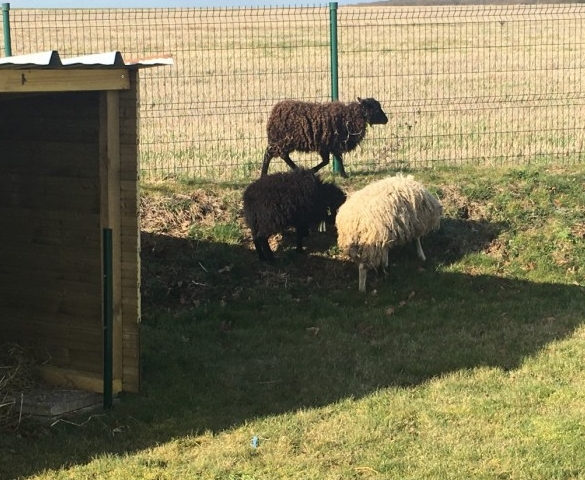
<point>227,339</point>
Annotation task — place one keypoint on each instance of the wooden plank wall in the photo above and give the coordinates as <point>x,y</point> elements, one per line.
<point>130,235</point>
<point>51,219</point>
<point>50,249</point>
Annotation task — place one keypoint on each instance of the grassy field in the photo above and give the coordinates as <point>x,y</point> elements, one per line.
<point>483,85</point>
<point>467,366</point>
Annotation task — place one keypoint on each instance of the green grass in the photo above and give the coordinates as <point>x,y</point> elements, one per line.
<point>468,366</point>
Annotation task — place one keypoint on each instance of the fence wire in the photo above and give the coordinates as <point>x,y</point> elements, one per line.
<point>463,85</point>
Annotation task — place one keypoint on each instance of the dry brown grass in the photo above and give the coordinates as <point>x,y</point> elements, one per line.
<point>175,214</point>
<point>16,377</point>
<point>481,85</point>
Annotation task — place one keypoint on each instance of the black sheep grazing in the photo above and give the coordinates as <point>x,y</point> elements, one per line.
<point>326,128</point>
<point>297,198</point>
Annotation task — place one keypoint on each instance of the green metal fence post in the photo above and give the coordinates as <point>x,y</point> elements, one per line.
<point>334,67</point>
<point>108,318</point>
<point>6,24</point>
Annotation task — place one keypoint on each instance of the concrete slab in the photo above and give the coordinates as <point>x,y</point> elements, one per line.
<point>52,403</point>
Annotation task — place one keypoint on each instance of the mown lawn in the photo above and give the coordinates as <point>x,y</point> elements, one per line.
<point>467,366</point>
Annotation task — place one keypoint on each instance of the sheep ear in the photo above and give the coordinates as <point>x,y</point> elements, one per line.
<point>359,99</point>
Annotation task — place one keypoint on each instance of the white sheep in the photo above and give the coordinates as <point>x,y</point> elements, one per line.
<point>382,215</point>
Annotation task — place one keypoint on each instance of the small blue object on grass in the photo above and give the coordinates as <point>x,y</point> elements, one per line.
<point>254,442</point>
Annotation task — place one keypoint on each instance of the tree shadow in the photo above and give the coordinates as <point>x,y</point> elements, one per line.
<point>215,357</point>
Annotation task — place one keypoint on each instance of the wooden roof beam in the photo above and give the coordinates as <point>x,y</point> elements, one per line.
<point>63,80</point>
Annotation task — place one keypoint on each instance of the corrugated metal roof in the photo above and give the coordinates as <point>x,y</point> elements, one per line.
<point>45,59</point>
<point>52,59</point>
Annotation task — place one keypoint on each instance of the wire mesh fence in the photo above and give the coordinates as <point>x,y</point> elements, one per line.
<point>463,85</point>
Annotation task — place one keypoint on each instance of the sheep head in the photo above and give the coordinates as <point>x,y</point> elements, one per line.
<point>333,197</point>
<point>373,111</point>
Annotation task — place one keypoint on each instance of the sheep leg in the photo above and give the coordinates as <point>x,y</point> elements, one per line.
<point>419,250</point>
<point>302,231</point>
<point>324,161</point>
<point>385,259</point>
<point>289,162</point>
<point>263,249</point>
<point>266,162</point>
<point>269,155</point>
<point>259,249</point>
<point>363,273</point>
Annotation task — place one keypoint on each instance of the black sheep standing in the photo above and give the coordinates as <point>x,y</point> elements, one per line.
<point>326,128</point>
<point>297,198</point>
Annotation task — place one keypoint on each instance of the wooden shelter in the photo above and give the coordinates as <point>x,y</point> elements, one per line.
<point>69,170</point>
